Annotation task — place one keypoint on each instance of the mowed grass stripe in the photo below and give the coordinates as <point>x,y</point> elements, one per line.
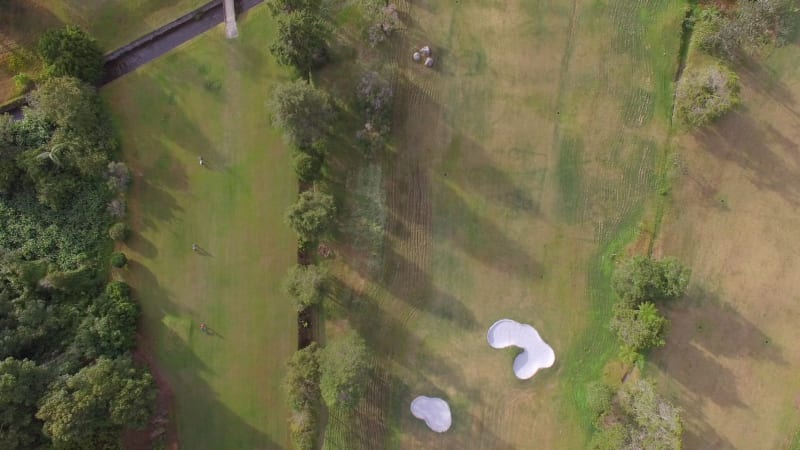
<point>208,98</point>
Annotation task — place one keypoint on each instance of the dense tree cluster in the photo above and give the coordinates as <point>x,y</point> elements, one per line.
<point>637,418</point>
<point>66,376</point>
<point>638,282</point>
<point>634,416</point>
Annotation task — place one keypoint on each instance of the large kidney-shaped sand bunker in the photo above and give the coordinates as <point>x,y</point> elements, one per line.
<point>536,354</point>
<point>434,411</point>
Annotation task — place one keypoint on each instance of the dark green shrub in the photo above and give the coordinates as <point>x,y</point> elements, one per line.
<point>305,285</point>
<point>598,399</point>
<point>120,231</point>
<point>118,259</point>
<point>311,215</point>
<point>70,52</point>
<point>307,166</point>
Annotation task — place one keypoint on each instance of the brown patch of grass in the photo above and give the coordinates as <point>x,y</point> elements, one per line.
<point>731,359</point>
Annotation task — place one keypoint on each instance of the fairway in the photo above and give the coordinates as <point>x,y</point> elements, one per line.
<point>525,163</point>
<point>207,99</point>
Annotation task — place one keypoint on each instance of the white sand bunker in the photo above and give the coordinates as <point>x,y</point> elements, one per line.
<point>536,353</point>
<point>434,411</point>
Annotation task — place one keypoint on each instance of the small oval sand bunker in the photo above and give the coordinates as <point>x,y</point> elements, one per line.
<point>434,411</point>
<point>536,354</point>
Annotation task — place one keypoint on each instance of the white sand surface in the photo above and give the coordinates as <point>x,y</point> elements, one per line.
<point>536,354</point>
<point>434,411</point>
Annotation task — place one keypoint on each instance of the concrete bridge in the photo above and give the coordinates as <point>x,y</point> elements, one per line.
<point>231,31</point>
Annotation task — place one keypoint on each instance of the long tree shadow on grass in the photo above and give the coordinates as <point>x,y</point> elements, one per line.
<point>383,332</point>
<point>185,372</point>
<point>705,328</point>
<point>740,139</point>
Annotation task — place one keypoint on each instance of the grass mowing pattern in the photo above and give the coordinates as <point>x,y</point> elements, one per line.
<point>226,384</point>
<point>623,171</point>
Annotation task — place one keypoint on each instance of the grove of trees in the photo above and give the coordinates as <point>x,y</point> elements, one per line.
<point>633,415</point>
<point>67,379</point>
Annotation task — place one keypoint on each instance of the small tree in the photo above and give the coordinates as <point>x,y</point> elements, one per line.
<point>302,41</point>
<point>119,231</point>
<point>307,166</point>
<point>705,94</point>
<point>119,176</point>
<point>345,365</point>
<point>118,259</point>
<point>305,285</point>
<point>638,329</point>
<point>598,399</point>
<point>311,215</point>
<point>303,112</point>
<point>641,278</point>
<point>71,52</point>
<point>90,408</point>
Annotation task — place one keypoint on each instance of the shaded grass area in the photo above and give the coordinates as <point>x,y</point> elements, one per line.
<point>208,99</point>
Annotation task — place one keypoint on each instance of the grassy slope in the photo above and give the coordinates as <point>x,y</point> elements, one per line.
<point>227,386</point>
<point>112,23</point>
<point>524,164</point>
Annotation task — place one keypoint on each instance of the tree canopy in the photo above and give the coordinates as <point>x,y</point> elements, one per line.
<point>303,112</point>
<point>345,365</point>
<point>705,93</point>
<point>305,285</point>
<point>88,409</point>
<point>638,329</point>
<point>302,40</point>
<point>70,52</point>
<point>641,278</point>
<point>22,383</point>
<point>311,215</point>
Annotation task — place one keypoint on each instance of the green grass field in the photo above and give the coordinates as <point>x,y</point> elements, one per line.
<point>208,98</point>
<point>525,164</point>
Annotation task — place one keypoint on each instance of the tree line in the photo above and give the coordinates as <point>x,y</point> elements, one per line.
<point>67,377</point>
<point>632,415</point>
<point>336,374</point>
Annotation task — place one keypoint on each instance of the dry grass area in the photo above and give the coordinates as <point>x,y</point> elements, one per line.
<point>732,359</point>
